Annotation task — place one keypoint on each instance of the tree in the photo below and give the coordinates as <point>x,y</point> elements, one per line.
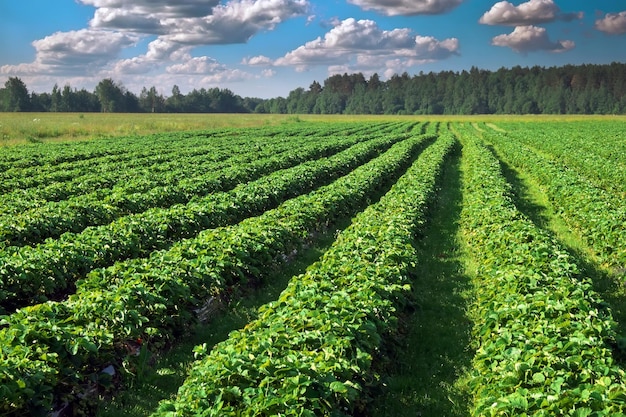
<point>16,97</point>
<point>174,103</point>
<point>151,101</point>
<point>67,99</point>
<point>111,96</point>
<point>55,104</point>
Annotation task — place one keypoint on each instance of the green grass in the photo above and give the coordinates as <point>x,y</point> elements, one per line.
<point>424,368</point>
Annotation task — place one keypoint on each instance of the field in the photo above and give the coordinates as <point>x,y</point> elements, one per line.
<point>312,266</point>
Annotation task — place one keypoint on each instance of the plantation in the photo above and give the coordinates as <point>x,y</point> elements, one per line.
<point>337,267</point>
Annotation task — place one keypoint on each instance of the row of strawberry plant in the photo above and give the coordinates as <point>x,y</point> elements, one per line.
<point>309,353</point>
<point>197,179</point>
<point>49,350</point>
<point>34,170</point>
<point>138,152</point>
<point>46,155</point>
<point>543,336</point>
<point>133,150</point>
<point>597,215</point>
<point>187,160</point>
<point>31,273</point>
<point>32,189</point>
<point>604,138</point>
<point>33,159</point>
<point>99,183</point>
<point>577,146</point>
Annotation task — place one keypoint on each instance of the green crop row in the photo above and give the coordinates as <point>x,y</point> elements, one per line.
<point>597,215</point>
<point>16,160</point>
<point>38,171</point>
<point>543,336</point>
<point>580,146</point>
<point>309,353</point>
<point>107,177</point>
<point>49,350</point>
<point>602,138</point>
<point>31,273</point>
<point>197,179</point>
<point>57,182</point>
<point>50,157</point>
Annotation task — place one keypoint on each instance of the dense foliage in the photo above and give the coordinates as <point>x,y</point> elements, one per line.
<point>50,349</point>
<point>543,335</point>
<point>111,250</point>
<point>309,353</point>
<point>571,89</point>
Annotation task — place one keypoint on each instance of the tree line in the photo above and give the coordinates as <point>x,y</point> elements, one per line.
<point>570,89</point>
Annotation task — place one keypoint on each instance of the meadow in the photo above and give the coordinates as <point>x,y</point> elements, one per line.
<point>301,265</point>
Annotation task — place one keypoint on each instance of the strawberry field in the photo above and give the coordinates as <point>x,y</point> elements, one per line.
<point>114,252</point>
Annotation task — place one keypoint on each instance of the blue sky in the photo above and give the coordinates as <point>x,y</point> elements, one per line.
<point>266,48</point>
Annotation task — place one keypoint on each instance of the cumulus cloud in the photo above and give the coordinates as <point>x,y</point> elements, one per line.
<point>531,38</point>
<point>529,13</point>
<point>268,73</point>
<point>159,52</point>
<point>226,76</point>
<point>195,22</point>
<point>612,23</point>
<point>407,7</point>
<point>362,45</point>
<point>235,22</point>
<point>145,16</point>
<point>196,65</point>
<point>73,52</point>
<point>177,27</point>
<point>260,60</point>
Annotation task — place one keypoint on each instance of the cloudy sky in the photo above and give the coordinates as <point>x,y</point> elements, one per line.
<point>266,48</point>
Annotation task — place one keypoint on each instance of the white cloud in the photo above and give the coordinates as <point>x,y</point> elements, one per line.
<point>260,60</point>
<point>407,7</point>
<point>145,16</point>
<point>195,22</point>
<point>75,52</point>
<point>196,65</point>
<point>159,52</point>
<point>226,76</point>
<point>362,46</point>
<point>529,13</point>
<point>531,38</point>
<point>268,73</point>
<point>612,23</point>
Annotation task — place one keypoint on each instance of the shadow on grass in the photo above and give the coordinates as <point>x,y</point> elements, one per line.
<point>424,365</point>
<point>541,213</point>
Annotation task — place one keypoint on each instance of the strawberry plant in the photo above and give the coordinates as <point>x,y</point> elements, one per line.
<point>543,335</point>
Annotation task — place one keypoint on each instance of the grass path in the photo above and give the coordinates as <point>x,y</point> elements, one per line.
<point>423,371</point>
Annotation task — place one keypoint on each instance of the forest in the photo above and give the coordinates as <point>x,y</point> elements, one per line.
<point>570,89</point>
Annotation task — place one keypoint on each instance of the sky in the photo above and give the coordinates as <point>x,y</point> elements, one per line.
<point>267,48</point>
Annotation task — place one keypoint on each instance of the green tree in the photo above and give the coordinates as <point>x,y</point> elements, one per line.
<point>110,95</point>
<point>151,101</point>
<point>16,97</point>
<point>174,103</point>
<point>55,98</point>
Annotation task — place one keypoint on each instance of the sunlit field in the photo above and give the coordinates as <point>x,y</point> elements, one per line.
<point>310,265</point>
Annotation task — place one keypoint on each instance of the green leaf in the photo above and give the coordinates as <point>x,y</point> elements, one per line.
<point>338,387</point>
<point>539,378</point>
